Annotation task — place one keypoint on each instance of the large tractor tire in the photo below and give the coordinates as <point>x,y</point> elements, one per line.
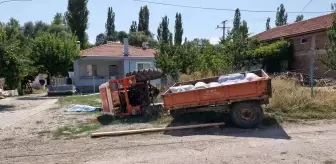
<point>146,74</point>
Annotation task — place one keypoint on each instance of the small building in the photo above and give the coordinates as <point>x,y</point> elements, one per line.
<point>110,61</point>
<point>308,37</point>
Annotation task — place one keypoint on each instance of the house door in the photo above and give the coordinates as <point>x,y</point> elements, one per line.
<point>113,71</point>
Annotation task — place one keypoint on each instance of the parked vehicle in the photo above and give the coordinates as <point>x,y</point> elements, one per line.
<point>241,95</point>
<point>241,100</point>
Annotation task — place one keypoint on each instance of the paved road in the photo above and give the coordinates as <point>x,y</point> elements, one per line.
<point>16,109</point>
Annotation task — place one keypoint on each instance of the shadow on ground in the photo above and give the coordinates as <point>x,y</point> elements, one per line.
<point>269,128</point>
<point>32,98</point>
<point>4,108</point>
<point>109,120</point>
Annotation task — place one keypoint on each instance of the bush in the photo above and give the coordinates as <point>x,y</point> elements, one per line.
<point>292,101</point>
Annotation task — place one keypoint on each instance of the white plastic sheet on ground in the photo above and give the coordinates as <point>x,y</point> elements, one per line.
<point>82,108</point>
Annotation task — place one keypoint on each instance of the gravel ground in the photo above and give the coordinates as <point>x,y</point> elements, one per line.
<point>30,141</point>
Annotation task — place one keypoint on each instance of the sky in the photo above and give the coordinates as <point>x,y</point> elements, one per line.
<point>197,23</point>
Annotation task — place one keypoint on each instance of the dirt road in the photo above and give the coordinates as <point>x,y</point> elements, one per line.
<point>16,109</point>
<point>27,142</point>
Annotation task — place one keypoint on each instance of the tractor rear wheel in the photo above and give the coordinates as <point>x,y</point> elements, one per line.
<point>146,74</point>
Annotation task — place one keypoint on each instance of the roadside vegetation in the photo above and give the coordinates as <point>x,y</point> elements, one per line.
<point>73,130</point>
<point>292,101</point>
<point>91,100</point>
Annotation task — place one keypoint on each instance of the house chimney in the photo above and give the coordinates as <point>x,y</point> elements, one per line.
<point>126,52</point>
<point>78,45</point>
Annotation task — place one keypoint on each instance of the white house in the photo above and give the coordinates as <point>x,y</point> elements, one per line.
<point>99,64</point>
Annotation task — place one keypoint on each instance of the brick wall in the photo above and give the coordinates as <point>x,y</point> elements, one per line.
<point>320,42</point>
<point>303,55</point>
<point>298,46</point>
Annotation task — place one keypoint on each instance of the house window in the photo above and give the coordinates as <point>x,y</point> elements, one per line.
<point>143,65</point>
<point>91,70</point>
<point>304,40</point>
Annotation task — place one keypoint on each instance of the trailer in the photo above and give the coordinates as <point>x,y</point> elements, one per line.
<point>241,100</point>
<point>134,95</point>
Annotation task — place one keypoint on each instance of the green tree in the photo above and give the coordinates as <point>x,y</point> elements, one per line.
<point>330,59</point>
<point>244,30</point>
<point>145,24</point>
<point>170,38</point>
<point>178,29</point>
<point>268,26</point>
<point>40,26</point>
<point>166,60</point>
<point>100,39</point>
<point>134,27</point>
<point>121,36</point>
<point>299,18</point>
<point>12,28</point>
<point>281,16</point>
<point>15,63</point>
<point>333,7</point>
<point>163,30</point>
<point>58,19</point>
<point>236,20</point>
<point>28,29</point>
<point>111,34</point>
<point>54,54</point>
<point>140,22</point>
<point>144,20</point>
<point>77,19</point>
<point>213,60</point>
<point>137,38</point>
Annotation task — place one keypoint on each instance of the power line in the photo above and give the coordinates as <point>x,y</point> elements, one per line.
<point>13,1</point>
<point>306,6</point>
<point>223,9</point>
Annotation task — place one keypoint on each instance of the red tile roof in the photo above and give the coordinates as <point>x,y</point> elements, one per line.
<point>303,27</point>
<point>117,49</point>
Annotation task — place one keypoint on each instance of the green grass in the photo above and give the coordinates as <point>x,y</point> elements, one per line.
<point>163,120</point>
<point>71,130</point>
<point>291,101</point>
<point>92,100</point>
<point>39,91</point>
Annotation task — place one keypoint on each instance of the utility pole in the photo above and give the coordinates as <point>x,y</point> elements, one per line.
<point>223,28</point>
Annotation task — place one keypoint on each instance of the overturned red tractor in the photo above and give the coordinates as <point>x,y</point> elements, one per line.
<point>130,95</point>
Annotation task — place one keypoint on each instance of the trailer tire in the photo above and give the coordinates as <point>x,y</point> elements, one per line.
<point>146,74</point>
<point>246,114</point>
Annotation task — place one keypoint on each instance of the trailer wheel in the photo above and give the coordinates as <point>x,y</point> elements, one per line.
<point>246,114</point>
<point>146,74</point>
